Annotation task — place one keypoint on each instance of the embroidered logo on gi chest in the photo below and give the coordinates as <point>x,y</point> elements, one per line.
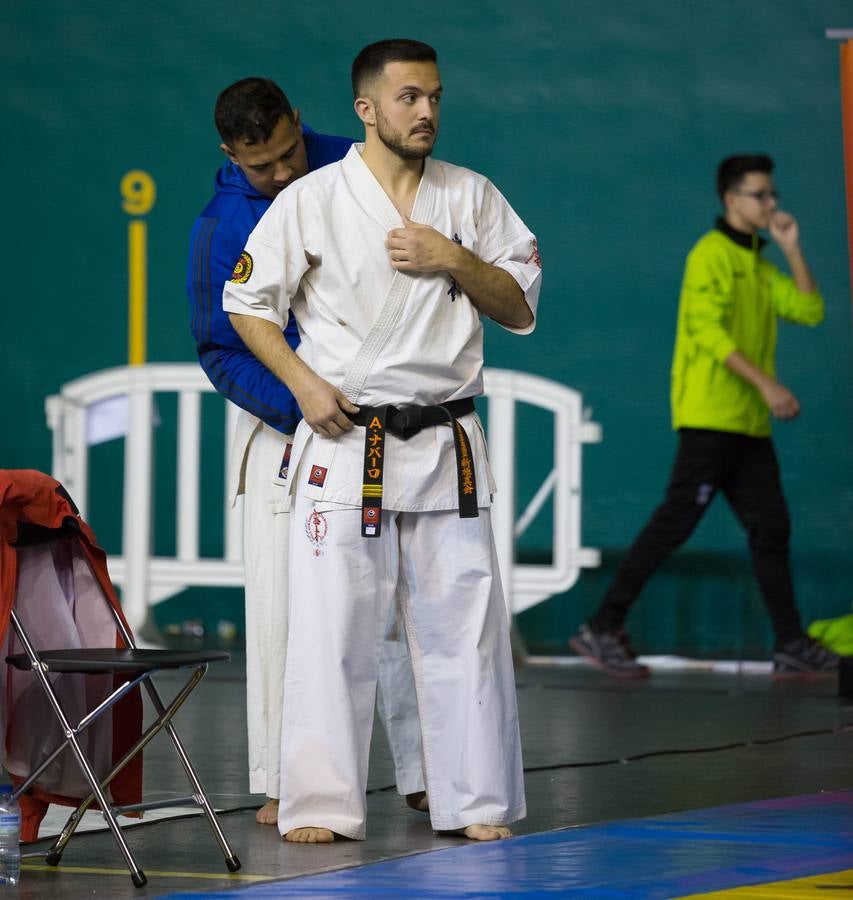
<point>317,477</point>
<point>285,461</point>
<point>316,528</point>
<point>243,269</point>
<point>534,257</point>
<point>454,291</point>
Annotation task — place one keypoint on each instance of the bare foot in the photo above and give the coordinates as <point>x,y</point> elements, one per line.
<point>486,832</point>
<point>310,836</point>
<point>268,813</point>
<point>418,801</point>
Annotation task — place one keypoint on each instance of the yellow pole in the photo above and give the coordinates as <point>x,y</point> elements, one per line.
<point>139,194</point>
<point>137,290</point>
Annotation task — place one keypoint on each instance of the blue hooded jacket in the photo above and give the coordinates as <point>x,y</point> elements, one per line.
<point>218,237</point>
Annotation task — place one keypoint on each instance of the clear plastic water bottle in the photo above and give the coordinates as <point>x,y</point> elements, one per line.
<point>10,837</point>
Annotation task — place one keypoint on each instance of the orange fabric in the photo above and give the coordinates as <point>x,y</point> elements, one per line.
<point>33,810</point>
<point>30,496</point>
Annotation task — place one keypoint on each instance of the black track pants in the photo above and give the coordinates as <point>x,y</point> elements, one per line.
<point>746,470</point>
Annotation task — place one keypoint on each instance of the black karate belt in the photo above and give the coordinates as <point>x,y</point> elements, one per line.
<point>404,422</point>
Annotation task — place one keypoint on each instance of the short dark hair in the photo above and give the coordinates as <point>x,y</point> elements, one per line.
<point>249,110</point>
<point>370,63</point>
<point>733,169</point>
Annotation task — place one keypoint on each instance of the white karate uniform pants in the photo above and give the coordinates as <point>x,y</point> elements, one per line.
<point>443,572</point>
<point>265,552</point>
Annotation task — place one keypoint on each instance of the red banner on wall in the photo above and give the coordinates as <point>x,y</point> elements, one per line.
<point>847,126</point>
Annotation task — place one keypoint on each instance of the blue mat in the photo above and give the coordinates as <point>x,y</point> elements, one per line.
<point>662,857</point>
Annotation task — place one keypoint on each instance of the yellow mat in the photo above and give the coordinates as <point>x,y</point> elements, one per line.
<point>833,884</point>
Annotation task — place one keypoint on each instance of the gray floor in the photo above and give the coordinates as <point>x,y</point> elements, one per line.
<point>595,750</point>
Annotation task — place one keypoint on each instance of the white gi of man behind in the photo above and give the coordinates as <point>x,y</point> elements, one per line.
<point>388,259</point>
<point>268,147</point>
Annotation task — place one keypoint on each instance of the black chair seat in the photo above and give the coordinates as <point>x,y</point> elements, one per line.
<point>93,661</point>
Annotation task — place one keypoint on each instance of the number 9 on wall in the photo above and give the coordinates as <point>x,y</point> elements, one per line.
<point>138,192</point>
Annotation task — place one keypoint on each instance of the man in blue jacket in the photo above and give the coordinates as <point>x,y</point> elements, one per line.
<point>267,149</point>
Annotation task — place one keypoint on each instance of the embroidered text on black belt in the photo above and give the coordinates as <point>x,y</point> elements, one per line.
<point>404,422</point>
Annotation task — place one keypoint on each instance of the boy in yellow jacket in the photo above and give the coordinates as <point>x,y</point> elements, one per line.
<point>724,390</point>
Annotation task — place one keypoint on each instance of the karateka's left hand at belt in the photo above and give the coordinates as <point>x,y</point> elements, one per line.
<point>420,248</point>
<point>323,406</point>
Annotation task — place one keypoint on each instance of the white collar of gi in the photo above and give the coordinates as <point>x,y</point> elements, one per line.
<point>372,197</point>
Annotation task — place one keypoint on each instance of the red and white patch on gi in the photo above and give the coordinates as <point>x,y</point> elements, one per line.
<point>317,476</point>
<point>285,461</point>
<point>370,517</point>
<point>534,257</point>
<point>316,528</point>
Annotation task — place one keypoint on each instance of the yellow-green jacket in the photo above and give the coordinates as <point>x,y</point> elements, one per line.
<point>730,299</point>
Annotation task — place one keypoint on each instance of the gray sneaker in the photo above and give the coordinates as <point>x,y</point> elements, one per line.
<point>608,651</point>
<point>803,656</point>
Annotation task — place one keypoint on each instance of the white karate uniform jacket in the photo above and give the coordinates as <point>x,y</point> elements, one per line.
<point>379,335</point>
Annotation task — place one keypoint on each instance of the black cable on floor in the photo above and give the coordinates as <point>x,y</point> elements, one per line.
<point>652,754</point>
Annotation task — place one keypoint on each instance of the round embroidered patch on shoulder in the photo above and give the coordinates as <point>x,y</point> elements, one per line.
<point>243,269</point>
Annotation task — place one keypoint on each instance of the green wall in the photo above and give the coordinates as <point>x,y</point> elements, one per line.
<point>601,121</point>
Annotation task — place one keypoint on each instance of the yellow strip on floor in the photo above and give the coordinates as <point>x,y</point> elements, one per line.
<point>149,873</point>
<point>811,888</point>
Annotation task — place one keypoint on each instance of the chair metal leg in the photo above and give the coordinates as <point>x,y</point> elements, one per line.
<point>136,874</point>
<point>231,860</point>
<point>54,854</point>
<point>163,721</point>
<point>153,729</point>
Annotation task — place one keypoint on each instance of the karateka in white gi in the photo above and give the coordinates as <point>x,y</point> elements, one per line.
<point>388,260</point>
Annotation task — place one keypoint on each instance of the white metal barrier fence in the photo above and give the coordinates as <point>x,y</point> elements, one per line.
<point>146,579</point>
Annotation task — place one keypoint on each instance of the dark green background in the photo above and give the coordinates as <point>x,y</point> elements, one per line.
<point>601,121</point>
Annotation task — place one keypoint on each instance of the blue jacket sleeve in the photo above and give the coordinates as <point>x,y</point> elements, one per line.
<point>231,367</point>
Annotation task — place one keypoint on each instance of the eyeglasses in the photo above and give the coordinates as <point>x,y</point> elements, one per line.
<point>761,196</point>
